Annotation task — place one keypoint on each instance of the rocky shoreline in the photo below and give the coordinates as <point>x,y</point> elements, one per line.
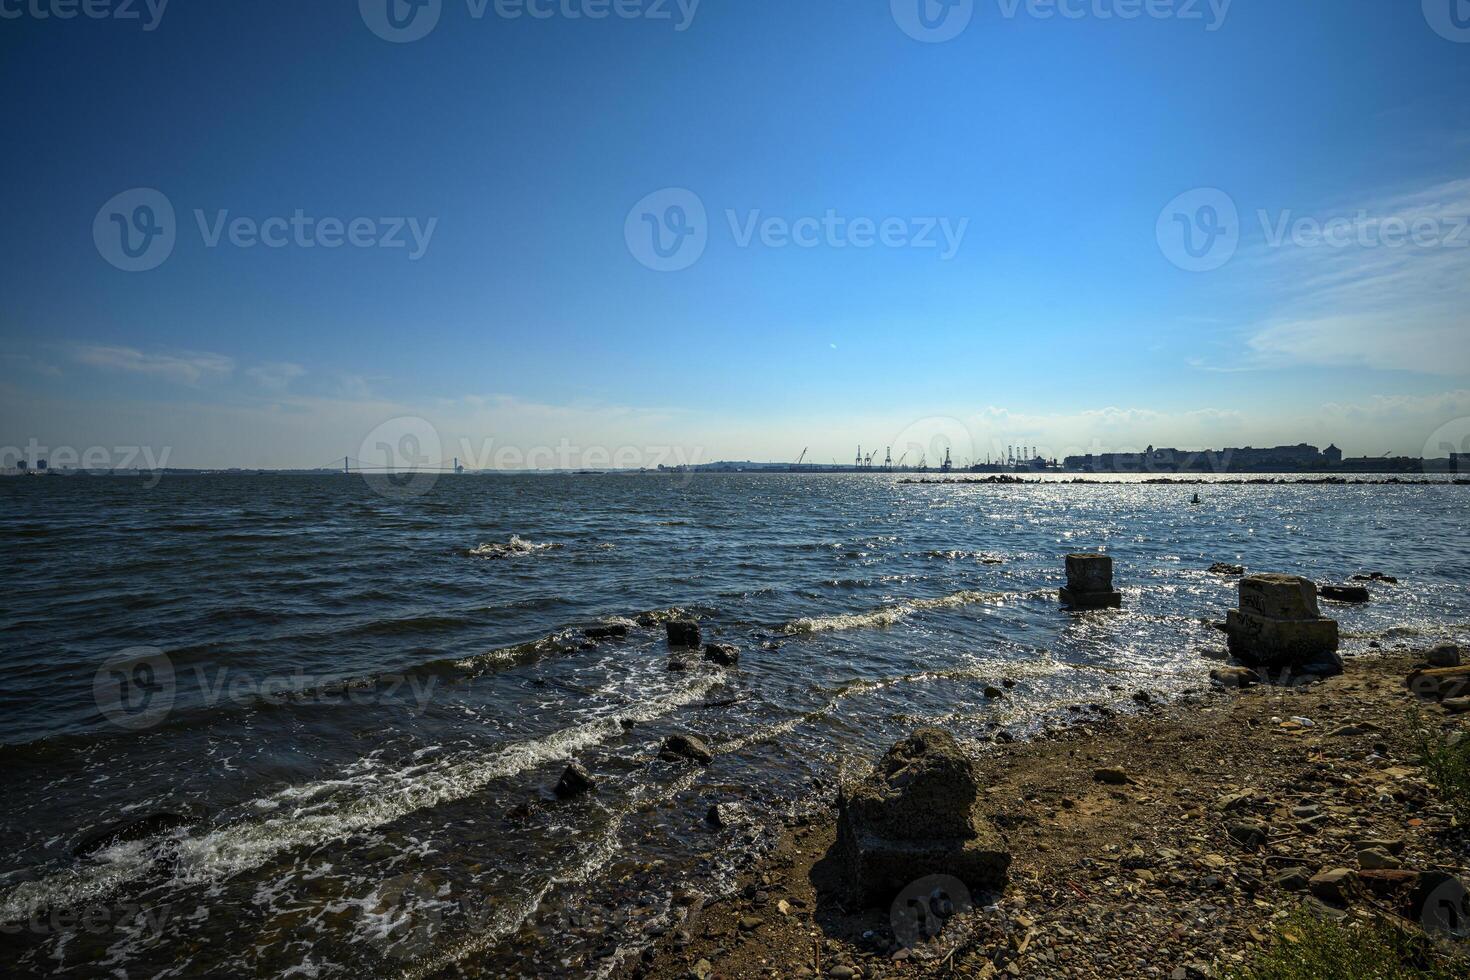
<point>1171,844</point>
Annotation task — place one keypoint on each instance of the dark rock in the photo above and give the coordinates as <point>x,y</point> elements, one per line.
<point>1225,568</point>
<point>1337,885</point>
<point>682,633</point>
<point>1344,593</point>
<point>689,748</point>
<point>1293,880</point>
<point>1234,676</point>
<point>612,631</point>
<point>919,812</point>
<point>724,815</point>
<point>993,692</point>
<point>677,665</point>
<point>128,831</point>
<point>1247,833</point>
<point>722,654</point>
<point>574,781</point>
<point>1111,777</point>
<point>1444,655</point>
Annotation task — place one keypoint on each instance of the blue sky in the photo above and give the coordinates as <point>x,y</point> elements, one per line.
<point>1058,151</point>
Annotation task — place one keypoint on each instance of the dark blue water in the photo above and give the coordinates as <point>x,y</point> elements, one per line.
<point>360,701</point>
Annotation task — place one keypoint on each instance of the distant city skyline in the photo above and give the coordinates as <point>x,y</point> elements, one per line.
<point>765,227</point>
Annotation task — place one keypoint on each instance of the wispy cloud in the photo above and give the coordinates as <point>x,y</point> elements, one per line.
<point>1390,292</point>
<point>275,375</point>
<point>188,368</point>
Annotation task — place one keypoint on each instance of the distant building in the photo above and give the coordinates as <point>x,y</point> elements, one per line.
<point>1332,455</point>
<point>40,464</point>
<point>1248,459</point>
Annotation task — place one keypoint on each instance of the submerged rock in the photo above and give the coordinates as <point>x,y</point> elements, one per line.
<point>612,631</point>
<point>128,831</point>
<point>917,813</point>
<point>1225,568</point>
<point>1344,593</point>
<point>574,782</point>
<point>686,748</point>
<point>683,633</point>
<point>722,654</point>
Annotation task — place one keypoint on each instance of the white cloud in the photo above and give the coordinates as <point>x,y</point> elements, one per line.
<point>1393,296</point>
<point>275,375</point>
<point>185,368</point>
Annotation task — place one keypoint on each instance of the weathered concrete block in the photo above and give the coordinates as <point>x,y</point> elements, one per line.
<point>1090,583</point>
<point>1092,600</point>
<point>1279,596</point>
<point>918,813</point>
<point>1089,573</point>
<point>1261,640</point>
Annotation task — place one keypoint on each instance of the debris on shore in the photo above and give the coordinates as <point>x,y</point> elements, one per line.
<point>1181,842</point>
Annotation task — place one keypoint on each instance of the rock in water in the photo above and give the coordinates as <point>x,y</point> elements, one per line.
<point>612,631</point>
<point>1278,625</point>
<point>574,782</point>
<point>683,633</point>
<point>722,654</point>
<point>1090,583</point>
<point>689,748</point>
<point>1344,593</point>
<point>127,831</point>
<point>1225,568</point>
<point>917,813</point>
